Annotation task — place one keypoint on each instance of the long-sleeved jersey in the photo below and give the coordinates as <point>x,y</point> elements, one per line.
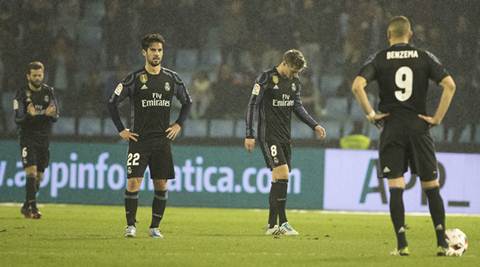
<point>271,104</point>
<point>36,128</point>
<point>151,98</point>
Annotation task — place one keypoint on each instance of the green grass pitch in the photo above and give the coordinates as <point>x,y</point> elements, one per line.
<point>74,235</point>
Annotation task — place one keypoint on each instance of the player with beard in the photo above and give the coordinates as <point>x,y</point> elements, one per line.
<point>35,109</point>
<point>151,90</point>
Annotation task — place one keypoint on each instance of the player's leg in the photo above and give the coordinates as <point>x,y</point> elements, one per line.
<point>158,206</point>
<point>30,197</point>
<point>393,164</point>
<point>43,157</point>
<point>29,160</point>
<point>397,212</point>
<point>437,210</point>
<point>272,198</point>
<point>161,169</point>
<point>136,165</point>
<point>425,165</point>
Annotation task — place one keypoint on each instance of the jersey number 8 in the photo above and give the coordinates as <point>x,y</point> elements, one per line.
<point>132,159</point>
<point>273,150</point>
<point>404,81</point>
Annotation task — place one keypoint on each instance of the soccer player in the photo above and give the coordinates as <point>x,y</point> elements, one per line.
<point>275,94</point>
<point>402,72</point>
<point>150,90</point>
<point>35,110</point>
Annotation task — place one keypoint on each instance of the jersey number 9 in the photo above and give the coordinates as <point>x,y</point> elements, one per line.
<point>404,81</point>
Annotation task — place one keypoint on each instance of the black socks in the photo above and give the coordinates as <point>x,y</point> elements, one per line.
<point>158,207</point>
<point>278,201</point>
<point>437,211</point>
<point>131,204</point>
<point>31,191</point>
<point>397,214</point>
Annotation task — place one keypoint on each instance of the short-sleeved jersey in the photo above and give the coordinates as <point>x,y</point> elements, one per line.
<point>403,73</point>
<point>37,128</point>
<point>273,99</point>
<point>151,99</point>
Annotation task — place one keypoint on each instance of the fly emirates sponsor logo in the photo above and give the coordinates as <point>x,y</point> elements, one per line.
<point>156,101</point>
<point>284,102</point>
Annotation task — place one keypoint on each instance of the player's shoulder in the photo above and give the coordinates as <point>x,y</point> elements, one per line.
<point>266,75</point>
<point>132,76</point>
<point>375,56</point>
<point>48,88</point>
<point>173,75</point>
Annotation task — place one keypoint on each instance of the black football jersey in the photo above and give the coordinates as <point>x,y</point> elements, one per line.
<point>403,73</point>
<point>271,104</point>
<point>151,99</point>
<point>34,128</point>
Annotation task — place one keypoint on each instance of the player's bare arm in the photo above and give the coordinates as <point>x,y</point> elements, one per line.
<point>449,88</point>
<point>358,89</point>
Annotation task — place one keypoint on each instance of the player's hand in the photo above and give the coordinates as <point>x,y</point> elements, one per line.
<point>31,110</point>
<point>377,117</point>
<point>430,120</point>
<point>51,111</point>
<point>127,135</point>
<point>173,131</point>
<point>320,132</point>
<point>249,144</point>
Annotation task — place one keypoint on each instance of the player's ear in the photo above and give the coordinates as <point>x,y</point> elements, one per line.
<point>144,53</point>
<point>410,34</point>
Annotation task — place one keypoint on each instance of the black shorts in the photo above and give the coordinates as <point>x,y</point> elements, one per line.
<point>276,154</point>
<point>400,149</point>
<point>159,161</point>
<point>35,155</point>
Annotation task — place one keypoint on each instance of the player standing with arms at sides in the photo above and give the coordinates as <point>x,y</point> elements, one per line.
<point>36,110</point>
<point>275,94</point>
<point>150,90</point>
<point>403,73</point>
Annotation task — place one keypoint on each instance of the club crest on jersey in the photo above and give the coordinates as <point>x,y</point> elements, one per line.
<point>143,78</point>
<point>167,86</point>
<point>294,87</point>
<point>46,99</point>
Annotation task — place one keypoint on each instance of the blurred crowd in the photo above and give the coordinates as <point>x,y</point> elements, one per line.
<point>219,46</point>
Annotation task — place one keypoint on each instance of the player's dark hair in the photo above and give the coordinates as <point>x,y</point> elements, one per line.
<point>150,38</point>
<point>294,58</point>
<point>35,65</point>
<point>399,26</point>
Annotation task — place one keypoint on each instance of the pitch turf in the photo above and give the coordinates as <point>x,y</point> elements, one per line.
<point>93,236</point>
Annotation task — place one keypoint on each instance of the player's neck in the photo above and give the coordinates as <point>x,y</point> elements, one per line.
<point>153,69</point>
<point>33,87</point>
<point>398,41</point>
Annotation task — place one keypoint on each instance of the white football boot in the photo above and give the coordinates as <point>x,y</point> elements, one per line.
<point>286,229</point>
<point>271,231</point>
<point>130,231</point>
<point>155,233</point>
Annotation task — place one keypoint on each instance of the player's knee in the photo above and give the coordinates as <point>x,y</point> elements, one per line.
<point>396,183</point>
<point>160,184</point>
<point>31,171</point>
<point>430,184</point>
<point>280,172</point>
<point>133,184</point>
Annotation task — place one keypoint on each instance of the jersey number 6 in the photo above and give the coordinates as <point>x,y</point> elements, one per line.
<point>404,81</point>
